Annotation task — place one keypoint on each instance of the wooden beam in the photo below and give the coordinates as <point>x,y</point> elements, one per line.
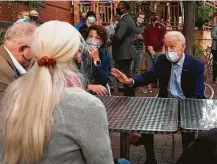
<point>76,12</point>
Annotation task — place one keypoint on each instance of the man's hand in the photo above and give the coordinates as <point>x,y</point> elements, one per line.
<point>152,53</point>
<point>150,48</point>
<point>121,77</point>
<point>139,36</point>
<point>98,89</point>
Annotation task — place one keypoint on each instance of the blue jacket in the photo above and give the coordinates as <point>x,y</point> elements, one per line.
<point>97,74</point>
<point>192,79</point>
<point>79,25</point>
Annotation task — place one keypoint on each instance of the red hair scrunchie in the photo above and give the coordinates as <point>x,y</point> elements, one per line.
<point>47,62</point>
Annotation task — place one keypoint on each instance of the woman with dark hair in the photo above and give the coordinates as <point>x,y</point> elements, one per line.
<point>96,63</point>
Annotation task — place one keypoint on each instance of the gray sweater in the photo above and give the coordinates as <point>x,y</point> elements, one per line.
<point>80,131</point>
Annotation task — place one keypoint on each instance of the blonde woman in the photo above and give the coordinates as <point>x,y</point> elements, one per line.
<point>42,120</point>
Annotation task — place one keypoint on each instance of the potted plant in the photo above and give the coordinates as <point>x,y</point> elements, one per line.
<point>202,16</point>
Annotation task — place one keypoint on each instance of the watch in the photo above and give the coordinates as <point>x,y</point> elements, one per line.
<point>97,63</point>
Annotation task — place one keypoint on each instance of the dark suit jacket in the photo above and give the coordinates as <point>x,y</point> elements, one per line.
<point>123,40</point>
<point>192,78</point>
<point>8,72</point>
<point>203,150</point>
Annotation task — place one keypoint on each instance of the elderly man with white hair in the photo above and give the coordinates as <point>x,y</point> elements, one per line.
<point>15,53</point>
<point>180,76</point>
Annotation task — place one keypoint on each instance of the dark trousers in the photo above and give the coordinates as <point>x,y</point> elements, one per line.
<point>214,65</point>
<point>148,141</point>
<point>125,67</point>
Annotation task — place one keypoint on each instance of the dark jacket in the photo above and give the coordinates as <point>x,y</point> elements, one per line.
<point>83,30</point>
<point>203,150</point>
<point>139,43</point>
<point>123,40</point>
<point>96,74</point>
<point>192,79</point>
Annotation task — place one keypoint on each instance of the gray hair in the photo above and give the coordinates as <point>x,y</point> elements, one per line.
<point>177,34</point>
<point>20,33</point>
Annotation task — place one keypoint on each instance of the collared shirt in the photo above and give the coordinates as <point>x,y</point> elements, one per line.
<point>17,65</point>
<point>174,87</point>
<point>123,15</point>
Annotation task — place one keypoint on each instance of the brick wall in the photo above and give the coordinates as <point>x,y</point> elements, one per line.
<point>53,10</point>
<point>57,10</point>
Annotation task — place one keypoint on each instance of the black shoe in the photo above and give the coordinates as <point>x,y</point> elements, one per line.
<point>150,161</point>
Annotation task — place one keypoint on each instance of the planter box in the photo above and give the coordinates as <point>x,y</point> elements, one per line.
<point>203,38</point>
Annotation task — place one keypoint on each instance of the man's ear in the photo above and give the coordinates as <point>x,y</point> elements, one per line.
<point>183,46</point>
<point>22,48</point>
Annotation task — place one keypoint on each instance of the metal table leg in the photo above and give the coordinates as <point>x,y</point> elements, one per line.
<point>124,145</point>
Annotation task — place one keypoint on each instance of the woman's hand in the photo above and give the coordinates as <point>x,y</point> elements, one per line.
<point>94,53</point>
<point>98,89</point>
<point>121,76</point>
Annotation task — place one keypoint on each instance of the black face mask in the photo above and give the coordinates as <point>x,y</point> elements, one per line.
<point>118,11</point>
<point>33,18</point>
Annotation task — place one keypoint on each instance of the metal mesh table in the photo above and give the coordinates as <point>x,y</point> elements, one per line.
<point>197,115</point>
<point>141,115</point>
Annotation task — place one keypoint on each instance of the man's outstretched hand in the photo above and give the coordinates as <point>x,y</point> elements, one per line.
<point>121,76</point>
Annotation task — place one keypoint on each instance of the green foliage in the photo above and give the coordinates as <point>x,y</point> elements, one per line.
<point>36,4</point>
<point>32,4</point>
<point>133,6</point>
<point>1,37</point>
<point>202,15</point>
<point>198,52</point>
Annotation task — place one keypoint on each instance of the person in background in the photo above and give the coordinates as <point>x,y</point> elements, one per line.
<point>54,123</point>
<point>136,65</point>
<point>34,17</point>
<point>99,20</point>
<point>91,20</point>
<point>180,76</point>
<point>23,17</point>
<point>214,52</point>
<point>123,49</point>
<point>15,53</point>
<point>96,63</point>
<point>23,14</point>
<point>153,40</point>
<point>110,29</point>
<point>82,21</point>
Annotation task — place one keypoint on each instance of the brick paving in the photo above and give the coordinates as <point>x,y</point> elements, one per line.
<point>163,143</point>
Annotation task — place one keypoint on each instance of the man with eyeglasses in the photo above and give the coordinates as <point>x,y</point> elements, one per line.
<point>15,53</point>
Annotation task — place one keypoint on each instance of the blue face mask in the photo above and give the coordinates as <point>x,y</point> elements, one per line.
<point>92,43</point>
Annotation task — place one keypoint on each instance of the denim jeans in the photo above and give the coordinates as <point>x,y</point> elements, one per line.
<point>151,61</point>
<point>136,64</point>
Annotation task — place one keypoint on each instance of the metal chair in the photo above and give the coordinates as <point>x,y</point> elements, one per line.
<point>108,88</point>
<point>211,89</point>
